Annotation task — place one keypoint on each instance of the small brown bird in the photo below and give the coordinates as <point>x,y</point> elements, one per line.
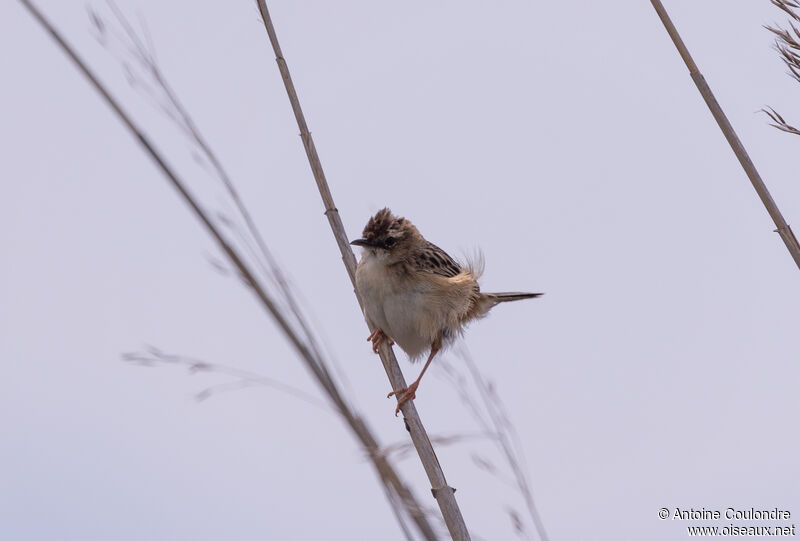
<point>414,293</point>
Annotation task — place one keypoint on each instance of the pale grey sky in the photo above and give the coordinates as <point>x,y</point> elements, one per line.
<point>564,139</point>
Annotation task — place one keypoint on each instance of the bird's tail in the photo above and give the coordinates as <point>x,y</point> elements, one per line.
<point>512,296</point>
<point>487,301</point>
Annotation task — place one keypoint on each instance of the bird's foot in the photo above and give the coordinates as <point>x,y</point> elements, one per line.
<point>377,337</point>
<point>404,395</point>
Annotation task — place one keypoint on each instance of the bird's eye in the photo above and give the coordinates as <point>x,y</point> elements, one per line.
<point>389,242</point>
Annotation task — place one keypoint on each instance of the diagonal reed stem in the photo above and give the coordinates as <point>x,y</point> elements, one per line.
<point>782,228</point>
<point>396,490</point>
<point>443,493</point>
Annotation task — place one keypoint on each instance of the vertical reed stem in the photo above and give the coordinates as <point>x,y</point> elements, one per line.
<point>782,228</point>
<point>443,493</point>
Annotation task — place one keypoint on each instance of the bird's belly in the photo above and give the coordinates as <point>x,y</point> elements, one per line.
<point>404,313</point>
<point>398,307</point>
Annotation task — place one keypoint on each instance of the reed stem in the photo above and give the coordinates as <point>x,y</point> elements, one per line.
<point>782,228</point>
<point>443,493</point>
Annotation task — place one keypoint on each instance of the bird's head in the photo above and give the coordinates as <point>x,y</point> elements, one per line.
<point>388,237</point>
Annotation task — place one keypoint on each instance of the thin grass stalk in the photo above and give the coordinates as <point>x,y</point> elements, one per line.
<point>175,110</point>
<point>782,228</point>
<point>443,493</point>
<point>385,471</point>
<point>501,428</point>
<point>242,378</point>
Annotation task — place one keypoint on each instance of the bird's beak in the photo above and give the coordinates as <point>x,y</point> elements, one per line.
<point>361,242</point>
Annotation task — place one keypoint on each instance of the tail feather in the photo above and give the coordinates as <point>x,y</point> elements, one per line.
<point>487,301</point>
<point>497,298</point>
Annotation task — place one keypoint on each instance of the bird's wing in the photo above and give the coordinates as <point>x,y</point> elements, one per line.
<point>434,260</point>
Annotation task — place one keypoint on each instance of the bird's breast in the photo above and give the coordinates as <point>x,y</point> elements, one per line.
<point>393,301</point>
<point>370,279</point>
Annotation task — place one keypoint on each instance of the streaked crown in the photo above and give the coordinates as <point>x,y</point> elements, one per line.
<point>385,230</point>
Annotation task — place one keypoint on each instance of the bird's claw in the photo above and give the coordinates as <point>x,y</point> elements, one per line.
<point>377,337</point>
<point>404,395</point>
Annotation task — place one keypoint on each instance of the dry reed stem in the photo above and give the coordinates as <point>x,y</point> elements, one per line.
<point>443,493</point>
<point>396,489</point>
<point>782,228</point>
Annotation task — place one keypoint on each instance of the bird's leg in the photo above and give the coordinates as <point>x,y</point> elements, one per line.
<point>410,392</point>
<point>377,337</point>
